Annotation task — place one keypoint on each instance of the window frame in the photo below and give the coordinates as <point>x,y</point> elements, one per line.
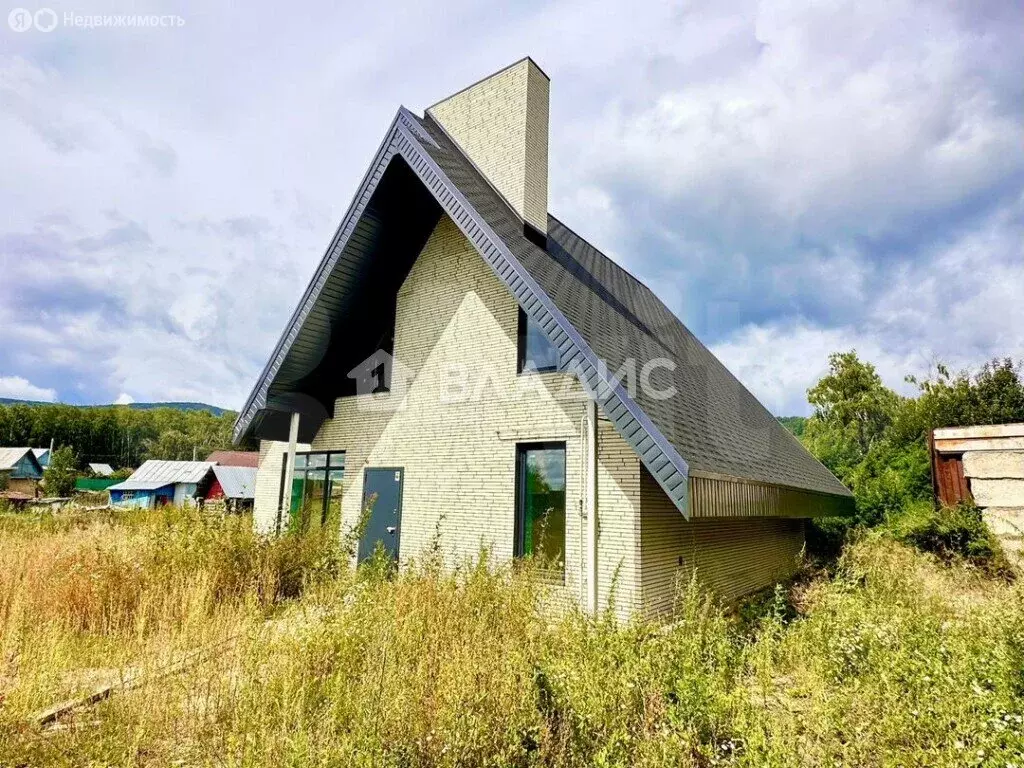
<point>521,331</point>
<point>329,467</point>
<point>519,521</point>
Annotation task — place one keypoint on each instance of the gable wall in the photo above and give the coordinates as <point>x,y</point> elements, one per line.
<point>26,469</point>
<point>456,329</point>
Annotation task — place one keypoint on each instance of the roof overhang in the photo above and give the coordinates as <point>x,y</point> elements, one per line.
<point>287,384</point>
<point>141,485</point>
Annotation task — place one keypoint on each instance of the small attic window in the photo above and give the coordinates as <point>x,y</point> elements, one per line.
<point>536,353</point>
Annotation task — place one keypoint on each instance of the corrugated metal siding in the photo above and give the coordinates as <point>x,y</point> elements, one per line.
<point>732,556</point>
<point>721,497</point>
<point>236,482</point>
<point>172,471</point>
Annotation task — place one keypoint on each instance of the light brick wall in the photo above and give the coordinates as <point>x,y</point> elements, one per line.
<point>732,556</point>
<point>459,456</point>
<point>501,123</point>
<point>535,193</point>
<point>268,484</point>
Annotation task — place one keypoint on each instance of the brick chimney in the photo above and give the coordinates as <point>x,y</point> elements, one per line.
<point>501,123</point>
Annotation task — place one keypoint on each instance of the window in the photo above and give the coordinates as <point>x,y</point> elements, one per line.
<point>316,488</point>
<point>535,351</point>
<point>540,504</point>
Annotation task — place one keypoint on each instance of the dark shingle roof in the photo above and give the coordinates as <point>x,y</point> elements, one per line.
<point>597,315</point>
<point>713,421</point>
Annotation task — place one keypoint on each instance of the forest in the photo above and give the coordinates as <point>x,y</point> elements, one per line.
<point>116,435</point>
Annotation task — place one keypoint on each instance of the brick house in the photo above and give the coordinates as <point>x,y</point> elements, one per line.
<point>468,368</point>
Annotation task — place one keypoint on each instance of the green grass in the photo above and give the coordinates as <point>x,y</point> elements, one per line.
<point>897,657</point>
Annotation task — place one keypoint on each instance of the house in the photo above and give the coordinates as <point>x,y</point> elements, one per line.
<point>157,483</point>
<point>20,471</point>
<point>101,470</point>
<point>984,464</point>
<point>235,458</point>
<point>234,485</point>
<point>556,406</point>
<point>42,456</point>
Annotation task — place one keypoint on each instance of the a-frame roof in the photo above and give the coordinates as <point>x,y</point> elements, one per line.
<point>595,313</point>
<point>11,457</point>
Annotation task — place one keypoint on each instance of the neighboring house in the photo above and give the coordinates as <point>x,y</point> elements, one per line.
<point>236,486</point>
<point>101,470</point>
<point>235,458</point>
<point>20,471</point>
<point>518,426</point>
<point>984,464</point>
<point>42,456</point>
<point>157,483</point>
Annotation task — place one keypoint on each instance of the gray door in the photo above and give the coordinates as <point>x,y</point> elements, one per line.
<point>382,494</point>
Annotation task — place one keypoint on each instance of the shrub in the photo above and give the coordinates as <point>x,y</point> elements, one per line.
<point>950,533</point>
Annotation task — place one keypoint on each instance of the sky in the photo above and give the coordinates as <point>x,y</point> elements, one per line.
<point>792,178</point>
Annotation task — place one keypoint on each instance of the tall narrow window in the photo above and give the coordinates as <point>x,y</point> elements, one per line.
<point>535,351</point>
<point>540,504</point>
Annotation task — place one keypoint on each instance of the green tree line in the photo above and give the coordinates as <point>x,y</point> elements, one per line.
<point>118,435</point>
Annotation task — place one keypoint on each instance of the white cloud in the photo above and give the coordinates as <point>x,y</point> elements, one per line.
<point>17,388</point>
<point>124,399</point>
<point>817,174</point>
<point>959,306</point>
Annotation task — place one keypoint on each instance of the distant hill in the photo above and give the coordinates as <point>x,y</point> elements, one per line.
<point>794,424</point>
<point>215,410</point>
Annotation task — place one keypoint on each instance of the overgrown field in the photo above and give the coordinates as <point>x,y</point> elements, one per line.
<point>893,658</point>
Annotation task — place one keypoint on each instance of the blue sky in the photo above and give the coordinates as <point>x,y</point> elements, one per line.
<point>791,180</point>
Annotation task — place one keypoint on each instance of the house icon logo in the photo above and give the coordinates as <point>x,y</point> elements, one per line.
<point>382,382</point>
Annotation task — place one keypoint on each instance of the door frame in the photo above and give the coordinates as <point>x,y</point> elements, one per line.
<point>401,494</point>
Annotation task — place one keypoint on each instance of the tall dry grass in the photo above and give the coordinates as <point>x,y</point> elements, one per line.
<point>896,659</point>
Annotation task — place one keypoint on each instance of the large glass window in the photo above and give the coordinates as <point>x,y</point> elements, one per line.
<point>316,488</point>
<point>540,504</point>
<point>535,351</point>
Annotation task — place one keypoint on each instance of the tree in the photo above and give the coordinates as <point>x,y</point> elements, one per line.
<point>994,395</point>
<point>876,441</point>
<point>59,477</point>
<point>172,444</point>
<point>853,398</point>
